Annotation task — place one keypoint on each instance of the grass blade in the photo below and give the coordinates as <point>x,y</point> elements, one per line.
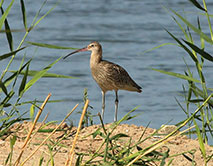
<point>23,82</point>
<point>8,32</point>
<point>27,139</point>
<point>38,75</point>
<point>198,31</point>
<point>4,16</point>
<point>197,5</point>
<point>199,92</point>
<point>161,45</point>
<point>184,47</point>
<point>178,75</point>
<point>202,41</point>
<point>203,53</point>
<point>3,87</point>
<point>14,76</point>
<point>37,101</point>
<point>50,75</point>
<point>49,45</point>
<point>202,148</point>
<point>36,23</point>
<point>117,136</point>
<point>71,152</point>
<point>32,112</point>
<point>208,18</point>
<point>1,2</point>
<point>181,27</point>
<point>24,14</point>
<point>12,143</point>
<point>4,56</point>
<point>7,98</point>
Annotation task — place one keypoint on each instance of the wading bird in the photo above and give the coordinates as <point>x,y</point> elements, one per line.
<point>109,76</point>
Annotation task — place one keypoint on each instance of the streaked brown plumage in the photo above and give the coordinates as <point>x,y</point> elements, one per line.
<point>108,75</point>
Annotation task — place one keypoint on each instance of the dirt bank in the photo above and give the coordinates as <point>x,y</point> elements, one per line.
<point>87,144</point>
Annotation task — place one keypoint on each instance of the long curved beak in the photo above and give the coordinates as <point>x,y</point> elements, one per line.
<point>80,50</point>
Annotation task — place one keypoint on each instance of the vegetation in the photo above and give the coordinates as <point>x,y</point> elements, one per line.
<point>110,152</point>
<point>11,89</point>
<point>196,90</point>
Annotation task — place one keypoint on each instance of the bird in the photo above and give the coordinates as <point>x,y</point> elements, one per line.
<point>108,75</point>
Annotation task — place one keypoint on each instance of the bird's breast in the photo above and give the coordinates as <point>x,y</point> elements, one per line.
<point>102,78</point>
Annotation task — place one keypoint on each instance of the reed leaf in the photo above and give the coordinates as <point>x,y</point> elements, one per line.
<point>49,45</point>
<point>15,75</point>
<point>197,5</point>
<point>200,139</point>
<point>51,75</point>
<point>208,18</point>
<point>200,93</point>
<point>161,45</point>
<point>4,56</point>
<point>38,75</point>
<point>184,47</point>
<point>1,2</point>
<point>202,41</point>
<point>211,89</point>
<point>24,16</point>
<point>181,27</point>
<point>3,87</point>
<point>37,101</point>
<point>8,32</point>
<point>6,119</point>
<point>41,160</point>
<point>126,117</point>
<point>12,143</point>
<point>117,136</point>
<point>23,82</point>
<point>7,98</point>
<point>178,75</point>
<point>4,16</point>
<point>197,30</point>
<point>37,22</point>
<point>20,67</point>
<point>203,53</point>
<point>32,112</point>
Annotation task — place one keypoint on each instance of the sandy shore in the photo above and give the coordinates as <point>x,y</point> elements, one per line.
<point>87,144</point>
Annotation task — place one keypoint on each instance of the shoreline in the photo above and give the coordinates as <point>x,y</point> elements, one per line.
<point>87,143</point>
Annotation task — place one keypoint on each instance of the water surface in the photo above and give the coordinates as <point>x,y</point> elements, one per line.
<point>125,28</point>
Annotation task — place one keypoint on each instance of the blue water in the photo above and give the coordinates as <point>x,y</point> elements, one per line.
<point>126,29</point>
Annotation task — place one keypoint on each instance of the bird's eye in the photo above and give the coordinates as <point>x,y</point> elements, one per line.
<point>92,45</point>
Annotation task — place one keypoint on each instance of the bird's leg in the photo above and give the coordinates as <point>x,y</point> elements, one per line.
<point>103,104</point>
<point>116,106</point>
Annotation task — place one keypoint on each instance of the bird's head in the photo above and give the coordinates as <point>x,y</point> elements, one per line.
<point>93,46</point>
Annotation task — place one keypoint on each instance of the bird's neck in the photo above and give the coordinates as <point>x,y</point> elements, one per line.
<point>96,57</point>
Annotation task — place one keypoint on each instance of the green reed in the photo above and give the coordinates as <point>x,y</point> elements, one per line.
<point>196,90</point>
<point>10,90</point>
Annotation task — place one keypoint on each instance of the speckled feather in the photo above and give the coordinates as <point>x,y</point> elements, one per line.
<point>110,76</point>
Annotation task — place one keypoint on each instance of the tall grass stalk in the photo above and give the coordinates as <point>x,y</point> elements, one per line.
<point>44,141</point>
<point>31,130</point>
<point>71,153</point>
